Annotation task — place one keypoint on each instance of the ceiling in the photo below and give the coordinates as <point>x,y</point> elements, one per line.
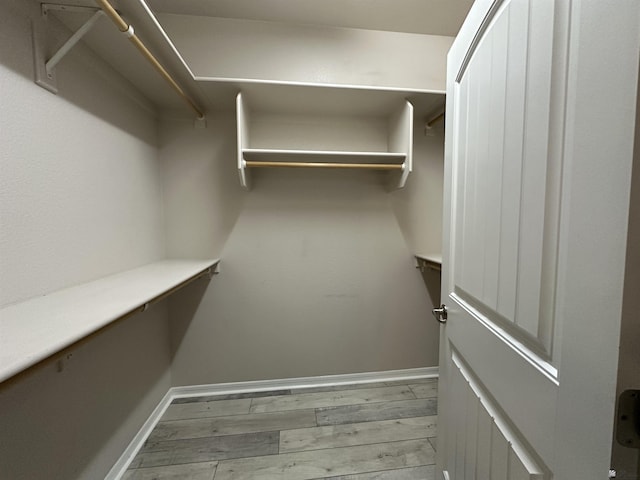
<point>433,17</point>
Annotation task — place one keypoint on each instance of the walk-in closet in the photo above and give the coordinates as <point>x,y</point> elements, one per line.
<point>151,239</point>
<point>318,240</point>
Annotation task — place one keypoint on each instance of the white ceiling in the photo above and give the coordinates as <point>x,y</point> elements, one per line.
<point>434,17</point>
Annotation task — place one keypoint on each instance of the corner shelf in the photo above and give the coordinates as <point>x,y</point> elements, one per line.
<point>432,262</point>
<point>35,329</point>
<point>387,139</point>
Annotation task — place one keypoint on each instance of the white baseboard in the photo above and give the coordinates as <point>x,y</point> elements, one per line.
<point>257,386</point>
<point>303,382</point>
<point>121,465</point>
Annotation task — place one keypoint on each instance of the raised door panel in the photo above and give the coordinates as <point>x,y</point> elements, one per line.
<point>483,444</point>
<point>501,178</point>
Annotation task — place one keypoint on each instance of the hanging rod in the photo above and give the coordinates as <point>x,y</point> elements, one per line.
<point>371,166</point>
<point>127,29</point>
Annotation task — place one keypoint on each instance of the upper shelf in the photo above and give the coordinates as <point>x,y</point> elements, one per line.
<point>112,47</point>
<point>277,139</point>
<point>190,62</point>
<point>431,261</point>
<point>35,329</point>
<point>291,98</point>
<point>391,15</point>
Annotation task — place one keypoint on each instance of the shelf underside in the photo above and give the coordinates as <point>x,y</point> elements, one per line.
<point>315,158</point>
<point>319,99</point>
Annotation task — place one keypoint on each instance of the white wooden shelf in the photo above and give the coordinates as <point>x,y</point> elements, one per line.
<point>432,257</point>
<point>35,329</point>
<point>431,261</point>
<point>309,136</point>
<point>218,93</point>
<point>320,98</point>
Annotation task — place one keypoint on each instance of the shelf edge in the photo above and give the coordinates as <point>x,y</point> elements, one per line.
<point>14,364</point>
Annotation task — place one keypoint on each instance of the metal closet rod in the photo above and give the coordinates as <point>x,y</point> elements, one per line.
<point>371,166</point>
<point>127,29</point>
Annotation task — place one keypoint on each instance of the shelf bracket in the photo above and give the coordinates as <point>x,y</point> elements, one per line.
<point>45,68</point>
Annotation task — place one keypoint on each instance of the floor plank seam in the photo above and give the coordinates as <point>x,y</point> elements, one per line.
<point>377,471</point>
<point>332,448</point>
<point>335,406</point>
<point>339,429</point>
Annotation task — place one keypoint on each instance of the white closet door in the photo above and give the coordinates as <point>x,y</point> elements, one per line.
<point>539,146</point>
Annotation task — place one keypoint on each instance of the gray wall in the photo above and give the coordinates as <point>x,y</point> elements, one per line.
<point>316,276</point>
<point>202,195</point>
<point>418,206</point>
<point>80,198</point>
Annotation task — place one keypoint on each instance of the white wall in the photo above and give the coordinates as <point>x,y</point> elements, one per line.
<point>231,48</point>
<point>315,279</point>
<point>80,198</point>
<point>202,195</point>
<point>80,193</point>
<point>418,206</point>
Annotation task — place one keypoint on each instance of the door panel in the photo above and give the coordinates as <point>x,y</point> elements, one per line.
<point>501,127</point>
<point>499,180</point>
<point>485,445</point>
<point>527,394</point>
<point>528,353</point>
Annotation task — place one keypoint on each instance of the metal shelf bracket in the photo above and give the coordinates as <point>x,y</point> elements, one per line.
<point>45,67</point>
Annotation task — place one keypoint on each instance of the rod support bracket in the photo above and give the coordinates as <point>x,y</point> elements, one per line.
<point>43,62</point>
<point>213,270</point>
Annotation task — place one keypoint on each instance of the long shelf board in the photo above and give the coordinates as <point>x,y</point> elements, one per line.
<point>433,257</point>
<point>322,156</point>
<point>218,93</point>
<point>35,329</point>
<point>321,99</point>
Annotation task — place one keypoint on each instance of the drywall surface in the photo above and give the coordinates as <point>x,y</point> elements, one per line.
<point>80,198</point>
<point>80,190</point>
<point>418,206</point>
<point>202,195</point>
<point>315,279</point>
<point>75,423</point>
<point>232,48</point>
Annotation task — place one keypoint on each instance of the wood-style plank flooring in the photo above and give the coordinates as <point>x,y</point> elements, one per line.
<point>374,431</point>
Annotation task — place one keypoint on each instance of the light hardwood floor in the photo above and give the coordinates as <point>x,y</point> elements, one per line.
<point>380,431</point>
